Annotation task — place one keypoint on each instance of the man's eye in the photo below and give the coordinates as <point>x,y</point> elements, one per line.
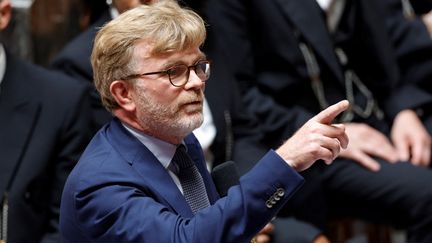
<point>176,71</point>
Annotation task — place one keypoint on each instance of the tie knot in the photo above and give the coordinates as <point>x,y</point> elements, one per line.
<point>181,158</point>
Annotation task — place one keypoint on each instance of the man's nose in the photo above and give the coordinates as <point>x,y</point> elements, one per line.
<point>194,81</point>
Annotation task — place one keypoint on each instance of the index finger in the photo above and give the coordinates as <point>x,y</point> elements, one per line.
<point>328,115</point>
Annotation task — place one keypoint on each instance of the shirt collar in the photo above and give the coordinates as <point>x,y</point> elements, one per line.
<point>162,150</point>
<point>324,4</point>
<point>113,12</point>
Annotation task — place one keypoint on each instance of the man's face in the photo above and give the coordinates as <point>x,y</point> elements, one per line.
<point>161,107</point>
<point>123,5</point>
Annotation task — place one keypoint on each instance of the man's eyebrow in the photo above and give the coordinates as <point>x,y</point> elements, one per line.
<point>170,64</point>
<point>201,57</point>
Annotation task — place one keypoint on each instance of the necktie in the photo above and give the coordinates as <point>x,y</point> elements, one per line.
<point>191,181</point>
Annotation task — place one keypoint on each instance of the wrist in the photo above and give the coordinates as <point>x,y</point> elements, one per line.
<point>291,164</point>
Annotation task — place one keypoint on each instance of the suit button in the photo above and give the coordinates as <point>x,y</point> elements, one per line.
<point>269,204</point>
<point>273,200</point>
<point>280,192</point>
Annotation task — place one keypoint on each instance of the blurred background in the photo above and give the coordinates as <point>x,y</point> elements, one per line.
<point>40,28</point>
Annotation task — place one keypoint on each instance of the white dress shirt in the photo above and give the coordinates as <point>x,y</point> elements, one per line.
<point>206,134</point>
<point>334,10</point>
<point>2,63</point>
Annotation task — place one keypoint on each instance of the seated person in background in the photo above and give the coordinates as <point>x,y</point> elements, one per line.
<point>421,9</point>
<point>44,126</point>
<point>74,59</point>
<point>294,58</point>
<point>238,137</point>
<point>143,177</point>
<point>412,44</point>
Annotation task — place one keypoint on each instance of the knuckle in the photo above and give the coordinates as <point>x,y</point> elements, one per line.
<point>336,142</point>
<point>313,138</point>
<point>314,147</point>
<point>314,128</point>
<point>315,151</point>
<point>327,155</point>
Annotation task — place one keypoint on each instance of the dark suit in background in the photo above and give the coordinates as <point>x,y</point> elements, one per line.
<point>412,42</point>
<point>44,127</point>
<point>239,137</point>
<point>421,6</point>
<point>74,60</point>
<point>261,41</point>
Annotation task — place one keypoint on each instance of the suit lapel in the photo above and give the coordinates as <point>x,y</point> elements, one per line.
<point>305,15</point>
<point>151,170</point>
<point>161,182</point>
<point>18,115</point>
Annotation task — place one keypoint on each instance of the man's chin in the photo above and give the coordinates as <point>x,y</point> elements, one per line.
<point>192,122</point>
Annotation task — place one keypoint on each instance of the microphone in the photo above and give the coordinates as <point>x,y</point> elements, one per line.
<point>224,176</point>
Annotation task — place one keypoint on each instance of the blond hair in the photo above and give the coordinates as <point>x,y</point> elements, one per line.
<point>167,26</point>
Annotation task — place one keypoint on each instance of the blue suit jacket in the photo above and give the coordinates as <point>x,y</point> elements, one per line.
<point>120,192</point>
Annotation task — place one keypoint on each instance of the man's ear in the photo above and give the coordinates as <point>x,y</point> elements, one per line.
<point>121,91</point>
<point>5,13</point>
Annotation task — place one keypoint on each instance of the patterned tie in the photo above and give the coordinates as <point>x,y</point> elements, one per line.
<point>190,179</point>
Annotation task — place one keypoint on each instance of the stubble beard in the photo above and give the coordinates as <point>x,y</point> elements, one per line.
<point>169,122</point>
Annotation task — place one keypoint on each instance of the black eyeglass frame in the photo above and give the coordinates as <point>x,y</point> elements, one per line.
<point>169,70</point>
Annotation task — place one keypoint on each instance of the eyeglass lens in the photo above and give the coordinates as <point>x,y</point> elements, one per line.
<point>179,75</point>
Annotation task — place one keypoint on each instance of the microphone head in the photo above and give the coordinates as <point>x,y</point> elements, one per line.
<point>224,176</point>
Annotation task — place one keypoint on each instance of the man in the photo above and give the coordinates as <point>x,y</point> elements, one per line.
<point>292,59</point>
<point>44,120</point>
<point>129,185</point>
<point>228,132</point>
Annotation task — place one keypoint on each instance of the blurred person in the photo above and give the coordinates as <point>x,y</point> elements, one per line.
<point>420,7</point>
<point>238,137</point>
<point>412,43</point>
<point>44,127</point>
<point>292,59</point>
<point>91,11</point>
<point>135,159</point>
<point>74,58</point>
<point>51,24</point>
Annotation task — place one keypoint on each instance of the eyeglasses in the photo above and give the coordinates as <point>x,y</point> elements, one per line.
<point>179,74</point>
